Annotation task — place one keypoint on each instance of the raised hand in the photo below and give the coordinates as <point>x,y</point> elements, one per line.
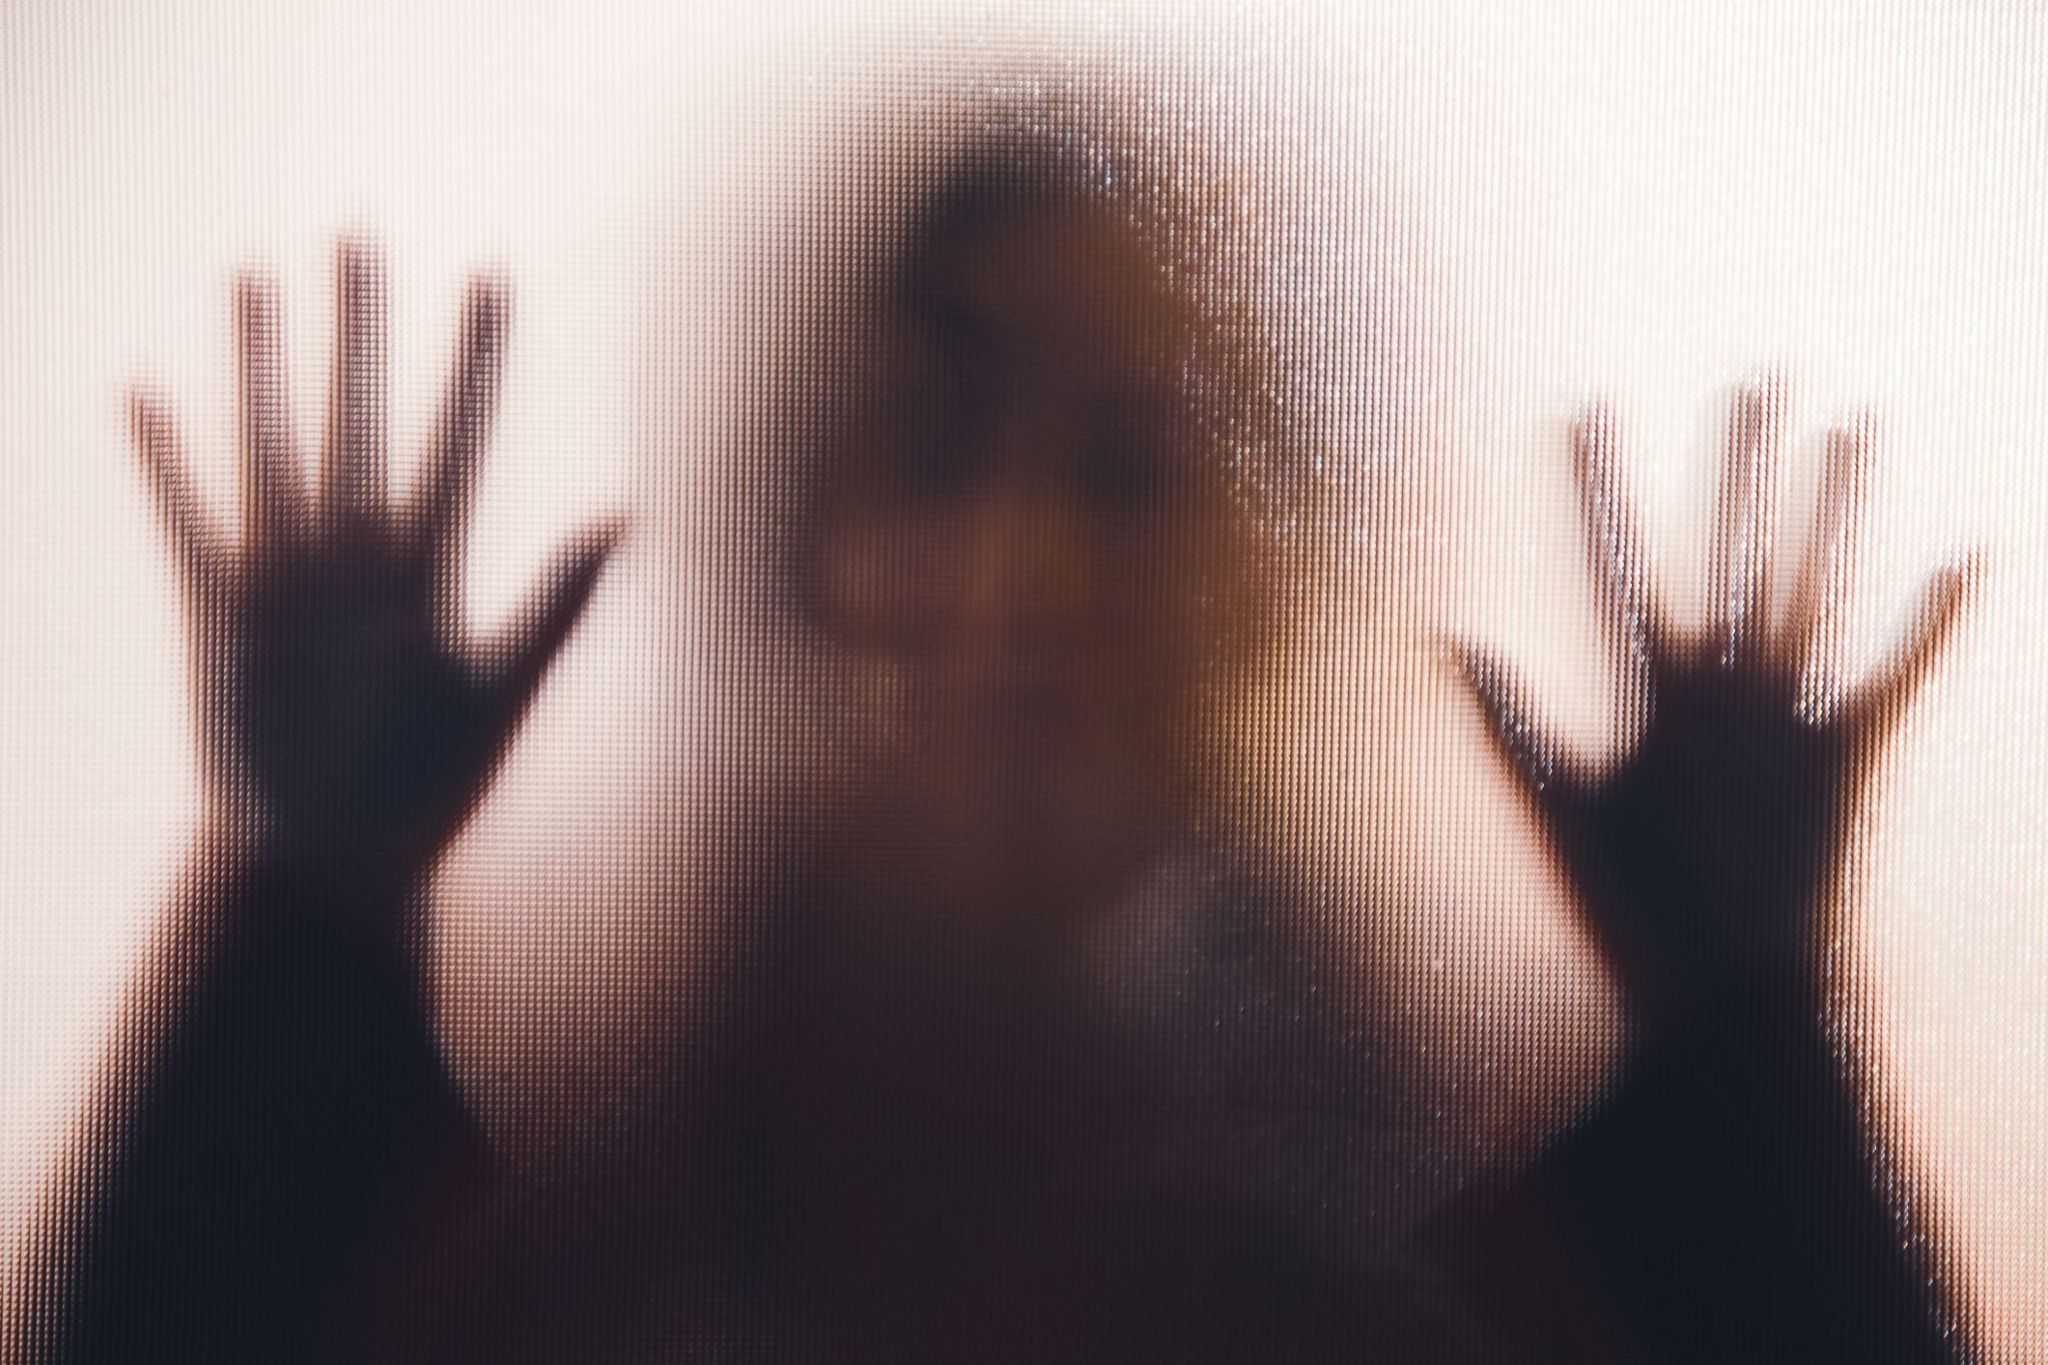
<point>345,721</point>
<point>1703,857</point>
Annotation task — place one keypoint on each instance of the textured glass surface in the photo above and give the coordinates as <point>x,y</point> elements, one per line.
<point>961,682</point>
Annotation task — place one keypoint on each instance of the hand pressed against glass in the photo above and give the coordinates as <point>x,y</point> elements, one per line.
<point>1704,857</point>
<point>344,718</point>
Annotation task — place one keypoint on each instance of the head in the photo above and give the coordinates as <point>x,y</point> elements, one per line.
<point>1029,523</point>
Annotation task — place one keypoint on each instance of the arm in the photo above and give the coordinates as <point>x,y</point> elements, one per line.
<point>1723,1199</point>
<point>276,1115</point>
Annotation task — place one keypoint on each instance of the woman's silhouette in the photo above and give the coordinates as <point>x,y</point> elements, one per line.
<point>1017,1058</point>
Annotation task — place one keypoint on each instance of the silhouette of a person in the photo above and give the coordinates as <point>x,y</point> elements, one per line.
<point>923,1120</point>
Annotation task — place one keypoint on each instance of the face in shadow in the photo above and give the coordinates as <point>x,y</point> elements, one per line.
<point>1027,531</point>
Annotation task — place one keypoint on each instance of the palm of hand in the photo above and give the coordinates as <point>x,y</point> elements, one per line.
<point>342,717</point>
<point>1703,857</point>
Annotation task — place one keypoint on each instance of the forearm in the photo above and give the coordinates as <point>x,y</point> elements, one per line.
<point>1725,1198</point>
<point>273,1109</point>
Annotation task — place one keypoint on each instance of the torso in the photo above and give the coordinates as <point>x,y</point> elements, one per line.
<point>891,1147</point>
<point>1161,1148</point>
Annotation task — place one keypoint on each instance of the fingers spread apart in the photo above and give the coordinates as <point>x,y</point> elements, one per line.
<point>1806,657</point>
<point>357,525</point>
